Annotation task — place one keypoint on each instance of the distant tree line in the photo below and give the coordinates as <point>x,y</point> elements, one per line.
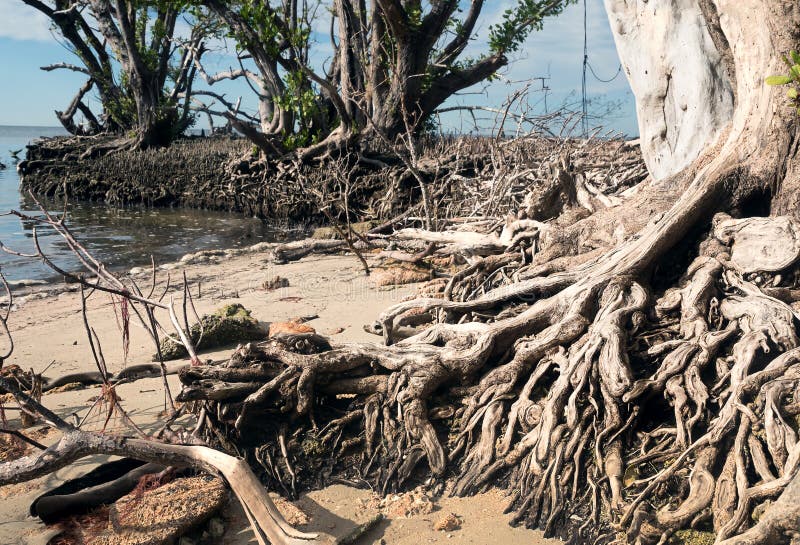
<point>393,63</point>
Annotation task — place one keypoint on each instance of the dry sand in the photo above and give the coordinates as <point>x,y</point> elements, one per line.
<point>48,331</point>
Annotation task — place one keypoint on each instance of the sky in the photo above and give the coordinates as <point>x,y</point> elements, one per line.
<point>29,96</point>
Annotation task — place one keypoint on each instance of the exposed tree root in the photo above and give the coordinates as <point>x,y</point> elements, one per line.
<point>613,397</point>
<point>605,407</point>
<point>628,370</point>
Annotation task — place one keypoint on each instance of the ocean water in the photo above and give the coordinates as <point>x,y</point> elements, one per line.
<point>119,237</point>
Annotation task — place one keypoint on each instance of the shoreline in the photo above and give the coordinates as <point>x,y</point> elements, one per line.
<point>334,289</point>
<point>25,289</point>
<point>328,293</point>
<point>203,173</point>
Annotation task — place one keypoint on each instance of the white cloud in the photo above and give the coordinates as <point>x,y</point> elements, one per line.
<point>22,22</point>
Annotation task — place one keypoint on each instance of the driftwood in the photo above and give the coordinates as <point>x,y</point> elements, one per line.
<point>129,374</point>
<point>268,523</point>
<point>168,447</point>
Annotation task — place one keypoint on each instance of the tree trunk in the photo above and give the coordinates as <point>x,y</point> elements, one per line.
<point>697,69</point>
<point>155,128</point>
<point>706,118</point>
<point>683,89</point>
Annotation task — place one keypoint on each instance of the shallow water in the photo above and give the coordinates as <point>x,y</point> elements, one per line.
<point>120,237</point>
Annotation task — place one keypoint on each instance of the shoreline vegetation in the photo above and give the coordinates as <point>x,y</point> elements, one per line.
<point>223,173</point>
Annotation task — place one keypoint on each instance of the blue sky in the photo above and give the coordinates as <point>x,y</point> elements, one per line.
<point>28,95</point>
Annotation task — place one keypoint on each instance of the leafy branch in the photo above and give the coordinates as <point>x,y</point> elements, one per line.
<point>792,79</point>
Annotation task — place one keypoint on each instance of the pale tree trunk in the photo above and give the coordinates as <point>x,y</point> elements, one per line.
<point>697,69</point>
<point>707,120</point>
<point>684,96</point>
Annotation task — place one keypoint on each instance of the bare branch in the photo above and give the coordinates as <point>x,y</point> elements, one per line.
<point>65,66</point>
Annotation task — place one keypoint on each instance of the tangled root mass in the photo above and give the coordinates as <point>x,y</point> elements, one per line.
<point>609,409</point>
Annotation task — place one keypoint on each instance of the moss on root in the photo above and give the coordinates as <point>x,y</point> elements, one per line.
<point>692,537</point>
<point>227,325</point>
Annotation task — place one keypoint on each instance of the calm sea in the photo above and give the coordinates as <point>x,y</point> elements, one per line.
<point>120,237</point>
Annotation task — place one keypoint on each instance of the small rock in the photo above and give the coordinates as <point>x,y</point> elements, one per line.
<point>447,523</point>
<point>162,514</point>
<point>215,527</point>
<point>275,283</point>
<point>408,504</point>
<point>290,328</point>
<point>227,325</point>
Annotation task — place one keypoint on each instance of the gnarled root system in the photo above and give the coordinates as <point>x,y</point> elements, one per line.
<point>608,400</point>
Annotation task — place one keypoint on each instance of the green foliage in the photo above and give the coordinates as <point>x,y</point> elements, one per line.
<point>261,18</point>
<point>790,80</point>
<point>277,39</point>
<point>272,34</point>
<point>519,21</point>
<point>430,125</point>
<point>152,33</point>
<point>414,13</point>
<point>302,100</point>
<point>269,31</point>
<point>123,109</point>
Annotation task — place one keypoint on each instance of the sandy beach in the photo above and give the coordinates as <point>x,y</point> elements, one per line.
<point>49,334</point>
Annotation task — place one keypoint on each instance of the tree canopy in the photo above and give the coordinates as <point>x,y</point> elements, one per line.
<point>393,63</point>
<point>130,51</point>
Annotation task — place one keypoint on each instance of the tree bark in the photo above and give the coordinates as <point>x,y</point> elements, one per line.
<point>697,69</point>
<point>684,93</point>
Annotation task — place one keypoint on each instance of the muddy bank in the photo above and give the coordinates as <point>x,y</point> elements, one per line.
<point>464,176</point>
<point>191,173</point>
<point>219,173</point>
